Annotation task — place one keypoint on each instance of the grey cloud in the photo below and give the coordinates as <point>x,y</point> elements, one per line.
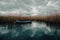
<point>26,5</point>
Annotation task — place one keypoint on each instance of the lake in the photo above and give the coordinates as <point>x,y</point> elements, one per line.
<point>32,31</point>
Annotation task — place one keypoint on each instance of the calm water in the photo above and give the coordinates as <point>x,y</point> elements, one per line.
<point>33,31</point>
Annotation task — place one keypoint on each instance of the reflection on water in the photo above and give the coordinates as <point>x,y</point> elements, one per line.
<point>34,31</point>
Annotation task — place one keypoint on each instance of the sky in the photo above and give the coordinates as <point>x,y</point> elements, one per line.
<point>29,7</point>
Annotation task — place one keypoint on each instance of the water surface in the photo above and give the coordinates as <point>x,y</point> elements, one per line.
<point>33,31</point>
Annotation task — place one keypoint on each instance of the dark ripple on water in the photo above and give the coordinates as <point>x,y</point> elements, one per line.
<point>34,31</point>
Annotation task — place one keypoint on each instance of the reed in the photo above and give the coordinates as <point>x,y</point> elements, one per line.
<point>12,19</point>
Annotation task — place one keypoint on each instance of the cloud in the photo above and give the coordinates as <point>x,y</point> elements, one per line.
<point>31,7</point>
<point>49,3</point>
<point>3,3</point>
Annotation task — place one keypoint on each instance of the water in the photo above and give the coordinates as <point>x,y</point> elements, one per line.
<point>33,31</point>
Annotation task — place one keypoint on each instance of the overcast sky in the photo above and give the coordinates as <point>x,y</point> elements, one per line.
<point>29,7</point>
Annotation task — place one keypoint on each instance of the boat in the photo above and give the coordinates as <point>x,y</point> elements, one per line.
<point>23,22</point>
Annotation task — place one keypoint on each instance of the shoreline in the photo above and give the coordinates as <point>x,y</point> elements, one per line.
<point>12,19</point>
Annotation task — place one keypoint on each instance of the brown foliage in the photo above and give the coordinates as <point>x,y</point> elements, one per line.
<point>12,19</point>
